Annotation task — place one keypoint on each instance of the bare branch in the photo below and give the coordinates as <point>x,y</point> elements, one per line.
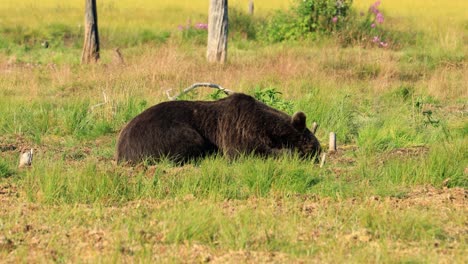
<point>168,93</point>
<point>103,103</point>
<point>195,85</point>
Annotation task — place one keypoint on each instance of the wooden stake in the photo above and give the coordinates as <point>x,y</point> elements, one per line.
<point>314,127</point>
<point>322,160</point>
<point>332,143</point>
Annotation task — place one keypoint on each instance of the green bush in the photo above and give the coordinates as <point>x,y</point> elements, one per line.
<point>280,27</point>
<point>321,15</point>
<point>369,29</point>
<point>271,97</point>
<point>306,18</point>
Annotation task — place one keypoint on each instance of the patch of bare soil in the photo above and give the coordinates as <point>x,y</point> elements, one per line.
<point>408,152</point>
<point>340,160</point>
<point>429,195</point>
<point>8,193</point>
<point>245,256</point>
<point>457,109</point>
<point>13,146</point>
<point>7,147</point>
<point>422,196</point>
<point>196,253</point>
<point>88,241</point>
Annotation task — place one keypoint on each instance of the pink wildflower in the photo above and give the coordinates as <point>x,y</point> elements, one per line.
<point>383,44</point>
<point>373,8</point>
<point>376,39</point>
<point>379,18</point>
<point>201,26</point>
<point>372,25</point>
<point>334,19</point>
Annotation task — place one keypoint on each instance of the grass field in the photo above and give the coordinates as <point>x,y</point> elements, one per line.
<point>394,192</point>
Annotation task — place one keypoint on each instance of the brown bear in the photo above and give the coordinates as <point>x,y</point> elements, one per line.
<point>186,130</point>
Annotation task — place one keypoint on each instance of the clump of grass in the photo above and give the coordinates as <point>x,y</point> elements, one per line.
<point>247,177</point>
<point>213,178</point>
<point>245,230</point>
<point>56,182</point>
<point>76,118</point>
<point>5,170</point>
<point>336,114</point>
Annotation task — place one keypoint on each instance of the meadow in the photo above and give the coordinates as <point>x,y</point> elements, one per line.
<point>395,191</point>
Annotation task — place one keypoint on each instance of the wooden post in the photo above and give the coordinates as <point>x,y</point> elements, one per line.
<point>251,7</point>
<point>91,36</point>
<point>332,143</point>
<point>217,31</point>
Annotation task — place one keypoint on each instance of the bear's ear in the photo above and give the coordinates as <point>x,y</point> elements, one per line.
<point>299,121</point>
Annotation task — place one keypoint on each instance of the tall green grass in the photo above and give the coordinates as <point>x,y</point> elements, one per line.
<point>75,118</point>
<point>83,180</point>
<point>381,131</point>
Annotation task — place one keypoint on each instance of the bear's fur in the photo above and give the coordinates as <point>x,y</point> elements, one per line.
<point>184,130</point>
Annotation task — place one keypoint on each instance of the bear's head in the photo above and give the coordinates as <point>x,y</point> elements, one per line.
<point>306,143</point>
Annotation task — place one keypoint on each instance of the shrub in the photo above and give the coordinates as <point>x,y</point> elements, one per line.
<point>280,27</point>
<point>307,17</point>
<point>271,97</point>
<point>321,15</point>
<point>370,25</point>
<point>368,29</point>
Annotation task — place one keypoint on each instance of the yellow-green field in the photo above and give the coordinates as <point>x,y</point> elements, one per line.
<point>168,14</point>
<point>394,192</point>
<point>455,10</point>
<point>140,13</point>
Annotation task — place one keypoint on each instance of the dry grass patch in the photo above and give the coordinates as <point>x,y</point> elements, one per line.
<point>318,229</point>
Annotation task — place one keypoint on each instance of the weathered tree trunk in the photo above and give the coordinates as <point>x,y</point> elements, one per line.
<point>251,7</point>
<point>217,31</point>
<point>91,36</point>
